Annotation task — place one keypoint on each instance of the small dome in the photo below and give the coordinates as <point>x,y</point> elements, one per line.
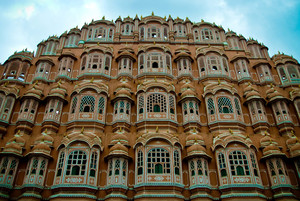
<point>196,149</point>
<point>123,92</point>
<point>13,147</point>
<point>188,92</point>
<point>271,149</point>
<point>187,85</point>
<point>118,149</point>
<point>35,91</point>
<point>252,93</point>
<point>124,85</point>
<point>291,141</point>
<point>41,148</point>
<point>122,138</point>
<point>192,138</point>
<point>58,91</point>
<point>44,138</point>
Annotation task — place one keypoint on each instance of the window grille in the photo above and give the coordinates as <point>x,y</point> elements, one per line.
<point>158,161</point>
<point>271,166</point>
<point>172,106</point>
<point>93,164</point>
<point>238,163</point>
<point>141,104</point>
<point>293,72</point>
<point>42,167</point>
<point>110,168</point>
<point>192,168</point>
<point>237,106</point>
<point>124,167</point>
<point>140,163</point>
<point>74,104</point>
<point>34,166</point>
<point>122,106</point>
<point>206,34</point>
<point>4,165</point>
<point>12,167</point>
<point>101,105</point>
<point>199,167</point>
<point>60,164</point>
<point>127,108</point>
<point>87,104</point>
<point>156,100</point>
<point>176,163</point>
<point>222,165</point>
<point>254,166</point>
<point>225,105</point>
<point>279,167</point>
<point>76,163</point>
<point>211,106</point>
<point>117,167</point>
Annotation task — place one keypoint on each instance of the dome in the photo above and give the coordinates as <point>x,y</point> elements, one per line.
<point>118,150</point>
<point>291,141</point>
<point>122,138</point>
<point>41,148</point>
<point>192,138</point>
<point>123,92</point>
<point>296,147</point>
<point>252,93</point>
<point>124,85</point>
<point>187,85</point>
<point>44,138</point>
<point>188,92</point>
<point>13,147</point>
<point>35,91</point>
<point>58,91</point>
<point>271,149</point>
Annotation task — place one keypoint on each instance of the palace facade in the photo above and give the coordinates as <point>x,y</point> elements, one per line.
<point>149,108</point>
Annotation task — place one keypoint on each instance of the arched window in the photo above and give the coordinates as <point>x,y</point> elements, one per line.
<point>156,103</point>
<point>224,105</point>
<point>237,106</point>
<point>87,104</point>
<point>254,164</point>
<point>238,163</point>
<point>74,104</point>
<point>222,165</point>
<point>172,105</point>
<point>192,166</point>
<point>117,167</point>
<point>213,63</point>
<point>292,72</point>
<point>158,161</point>
<point>140,163</point>
<point>76,164</point>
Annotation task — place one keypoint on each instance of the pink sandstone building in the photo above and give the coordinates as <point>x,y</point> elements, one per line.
<point>149,109</point>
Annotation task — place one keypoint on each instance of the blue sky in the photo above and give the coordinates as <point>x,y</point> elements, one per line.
<point>276,23</point>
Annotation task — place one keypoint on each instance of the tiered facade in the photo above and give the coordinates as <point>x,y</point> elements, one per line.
<point>149,108</point>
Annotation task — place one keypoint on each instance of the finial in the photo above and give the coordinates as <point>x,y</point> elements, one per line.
<point>156,129</point>
<point>165,17</point>
<point>18,132</point>
<point>59,83</point>
<point>194,130</point>
<point>92,80</point>
<point>208,44</point>
<point>202,20</point>
<point>292,133</point>
<point>82,129</point>
<point>6,83</point>
<point>120,130</point>
<point>35,84</point>
<point>155,79</point>
<point>103,18</point>
<point>219,81</point>
<point>154,43</point>
<point>152,13</point>
<point>195,140</point>
<point>230,131</point>
<point>98,44</point>
<point>271,85</point>
<point>45,131</point>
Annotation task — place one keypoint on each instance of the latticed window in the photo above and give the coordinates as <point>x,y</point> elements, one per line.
<point>141,61</point>
<point>110,168</point>
<point>101,105</point>
<point>34,166</point>
<point>224,105</point>
<point>76,163</point>
<point>87,104</point>
<point>201,64</point>
<point>140,163</point>
<point>158,161</point>
<point>176,163</point>
<point>156,103</point>
<point>237,106</point>
<point>93,164</point>
<point>60,164</point>
<point>271,166</point>
<point>141,104</point>
<point>238,163</point>
<point>254,165</point>
<point>42,168</point>
<point>172,105</point>
<point>199,167</point>
<point>4,165</point>
<point>127,108</point>
<point>154,60</point>
<point>153,32</point>
<point>222,165</point>
<point>279,167</point>
<point>293,72</point>
<point>124,168</point>
<point>74,104</point>
<point>122,106</point>
<point>12,167</point>
<point>211,106</point>
<point>192,166</point>
<point>117,167</point>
